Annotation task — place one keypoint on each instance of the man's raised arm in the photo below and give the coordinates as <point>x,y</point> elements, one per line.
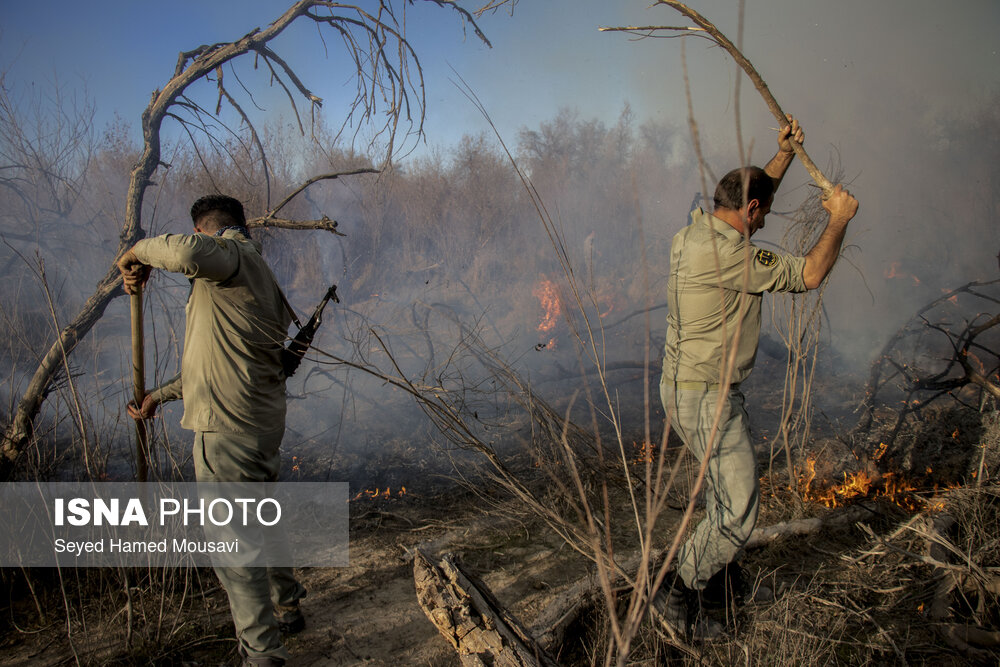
<point>779,164</point>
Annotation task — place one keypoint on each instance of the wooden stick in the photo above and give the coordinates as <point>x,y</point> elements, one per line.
<point>758,82</point>
<point>139,384</point>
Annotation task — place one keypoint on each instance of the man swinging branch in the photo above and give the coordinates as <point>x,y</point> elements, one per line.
<point>714,293</point>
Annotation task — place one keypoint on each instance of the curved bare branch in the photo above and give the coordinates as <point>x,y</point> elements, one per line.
<point>716,36</point>
<point>316,179</point>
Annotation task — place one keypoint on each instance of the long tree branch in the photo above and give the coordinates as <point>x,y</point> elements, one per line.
<point>716,36</point>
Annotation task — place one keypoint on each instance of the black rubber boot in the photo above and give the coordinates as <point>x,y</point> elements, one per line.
<point>676,610</point>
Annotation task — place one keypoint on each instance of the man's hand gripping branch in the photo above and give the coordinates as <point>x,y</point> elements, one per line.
<point>842,206</point>
<point>779,164</point>
<point>135,274</point>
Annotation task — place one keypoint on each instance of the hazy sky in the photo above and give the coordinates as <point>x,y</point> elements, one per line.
<point>877,83</point>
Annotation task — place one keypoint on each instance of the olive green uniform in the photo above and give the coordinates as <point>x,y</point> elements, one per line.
<point>714,293</point>
<point>233,389</point>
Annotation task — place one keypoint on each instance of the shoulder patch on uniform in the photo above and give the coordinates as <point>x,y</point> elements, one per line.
<point>767,258</point>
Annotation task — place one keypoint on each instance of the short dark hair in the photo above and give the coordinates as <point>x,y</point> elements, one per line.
<point>227,206</point>
<point>729,193</point>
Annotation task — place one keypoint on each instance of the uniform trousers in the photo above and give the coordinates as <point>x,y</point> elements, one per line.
<point>732,489</point>
<point>253,592</point>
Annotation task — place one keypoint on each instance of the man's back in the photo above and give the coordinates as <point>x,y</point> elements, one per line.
<point>236,324</point>
<point>714,291</point>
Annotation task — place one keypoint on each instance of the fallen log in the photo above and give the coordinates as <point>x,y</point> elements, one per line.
<point>551,625</point>
<point>464,611</point>
<point>768,534</point>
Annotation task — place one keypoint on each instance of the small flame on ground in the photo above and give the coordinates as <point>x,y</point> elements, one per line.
<point>890,486</point>
<point>647,451</point>
<point>387,492</point>
<point>859,485</point>
<point>953,298</point>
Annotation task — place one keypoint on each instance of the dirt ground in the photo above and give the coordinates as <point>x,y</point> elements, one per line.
<point>365,613</point>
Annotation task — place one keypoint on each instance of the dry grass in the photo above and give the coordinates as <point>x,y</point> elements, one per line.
<point>858,595</point>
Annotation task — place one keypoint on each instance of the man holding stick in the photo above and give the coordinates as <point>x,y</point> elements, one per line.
<point>714,293</point>
<point>233,388</point>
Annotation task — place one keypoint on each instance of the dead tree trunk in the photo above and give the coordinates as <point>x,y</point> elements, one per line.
<point>465,612</point>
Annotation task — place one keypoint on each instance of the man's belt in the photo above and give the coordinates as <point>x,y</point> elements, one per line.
<point>701,386</point>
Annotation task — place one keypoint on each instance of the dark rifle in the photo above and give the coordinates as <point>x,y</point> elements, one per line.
<point>291,356</point>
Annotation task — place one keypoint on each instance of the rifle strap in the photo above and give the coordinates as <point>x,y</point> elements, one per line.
<point>288,306</point>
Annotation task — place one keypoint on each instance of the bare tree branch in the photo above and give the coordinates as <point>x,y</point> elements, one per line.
<point>716,36</point>
<point>316,179</point>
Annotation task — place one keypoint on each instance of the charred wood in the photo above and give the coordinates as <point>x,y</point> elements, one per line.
<point>887,368</point>
<point>967,581</point>
<point>467,614</point>
<point>798,527</point>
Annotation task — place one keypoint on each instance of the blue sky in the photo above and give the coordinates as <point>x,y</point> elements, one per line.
<point>836,64</point>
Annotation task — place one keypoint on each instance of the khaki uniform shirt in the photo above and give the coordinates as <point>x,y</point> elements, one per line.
<point>716,285</point>
<point>231,377</point>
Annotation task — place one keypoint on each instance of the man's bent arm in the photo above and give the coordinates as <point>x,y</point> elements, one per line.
<point>168,391</point>
<point>193,255</point>
<point>820,259</point>
<point>171,390</point>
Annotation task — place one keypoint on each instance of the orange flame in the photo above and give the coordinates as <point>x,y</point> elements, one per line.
<point>646,452</point>
<point>861,484</point>
<point>380,493</point>
<point>880,452</point>
<point>953,298</point>
<point>894,272</point>
<point>548,297</point>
